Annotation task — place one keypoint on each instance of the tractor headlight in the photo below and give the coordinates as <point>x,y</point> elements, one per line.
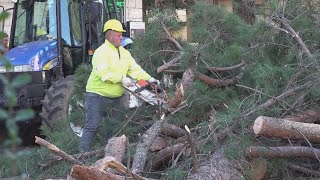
<point>22,68</point>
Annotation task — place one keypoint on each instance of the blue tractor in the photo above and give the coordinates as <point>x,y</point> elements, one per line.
<point>49,39</point>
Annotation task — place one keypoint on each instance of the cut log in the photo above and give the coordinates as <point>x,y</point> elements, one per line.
<point>85,173</point>
<point>144,144</point>
<point>304,170</point>
<point>56,150</point>
<point>172,131</point>
<point>282,152</point>
<point>116,147</point>
<point>164,156</point>
<point>268,126</point>
<point>309,116</point>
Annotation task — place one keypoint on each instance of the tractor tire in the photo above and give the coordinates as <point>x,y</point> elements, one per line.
<point>55,104</point>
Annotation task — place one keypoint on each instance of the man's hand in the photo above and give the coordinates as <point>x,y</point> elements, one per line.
<point>126,82</point>
<point>153,80</point>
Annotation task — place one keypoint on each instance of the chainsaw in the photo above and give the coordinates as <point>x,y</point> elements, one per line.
<point>151,93</point>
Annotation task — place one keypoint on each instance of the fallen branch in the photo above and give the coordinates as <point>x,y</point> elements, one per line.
<point>268,126</point>
<point>169,64</point>
<point>223,69</point>
<point>56,150</point>
<point>282,152</point>
<point>215,82</point>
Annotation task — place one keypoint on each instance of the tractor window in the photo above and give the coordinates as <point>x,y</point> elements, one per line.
<point>36,20</point>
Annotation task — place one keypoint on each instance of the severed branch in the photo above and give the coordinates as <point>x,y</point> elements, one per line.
<point>223,69</point>
<point>56,150</point>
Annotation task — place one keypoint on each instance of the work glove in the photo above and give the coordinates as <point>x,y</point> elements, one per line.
<point>126,82</point>
<point>153,80</point>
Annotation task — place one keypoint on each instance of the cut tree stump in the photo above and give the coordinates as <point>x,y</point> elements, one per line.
<point>268,126</point>
<point>282,152</point>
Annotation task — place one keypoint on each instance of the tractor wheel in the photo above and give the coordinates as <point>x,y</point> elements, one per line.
<point>55,105</point>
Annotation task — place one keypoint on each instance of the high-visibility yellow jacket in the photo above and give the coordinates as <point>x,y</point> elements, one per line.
<point>109,66</point>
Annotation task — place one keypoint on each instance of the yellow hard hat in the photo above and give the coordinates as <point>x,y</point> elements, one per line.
<point>114,25</point>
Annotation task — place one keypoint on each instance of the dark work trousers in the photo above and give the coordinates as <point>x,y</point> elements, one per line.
<point>96,107</point>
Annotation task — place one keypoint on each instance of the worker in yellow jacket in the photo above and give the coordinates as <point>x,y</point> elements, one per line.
<point>111,66</point>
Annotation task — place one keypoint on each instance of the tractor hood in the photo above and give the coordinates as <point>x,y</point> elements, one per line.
<point>36,54</point>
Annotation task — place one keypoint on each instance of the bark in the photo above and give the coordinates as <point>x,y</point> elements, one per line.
<point>309,116</point>
<point>304,170</point>
<point>223,69</point>
<point>164,156</point>
<point>144,144</point>
<point>116,147</point>
<point>56,150</point>
<point>172,131</point>
<point>85,173</point>
<point>216,82</point>
<point>268,126</point>
<point>282,152</point>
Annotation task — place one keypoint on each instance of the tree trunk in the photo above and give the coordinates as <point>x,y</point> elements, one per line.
<point>268,126</point>
<point>282,152</point>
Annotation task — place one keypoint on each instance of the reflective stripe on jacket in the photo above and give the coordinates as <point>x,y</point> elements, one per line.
<point>109,65</point>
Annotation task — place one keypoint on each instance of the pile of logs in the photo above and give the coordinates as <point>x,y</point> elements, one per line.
<point>300,127</point>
